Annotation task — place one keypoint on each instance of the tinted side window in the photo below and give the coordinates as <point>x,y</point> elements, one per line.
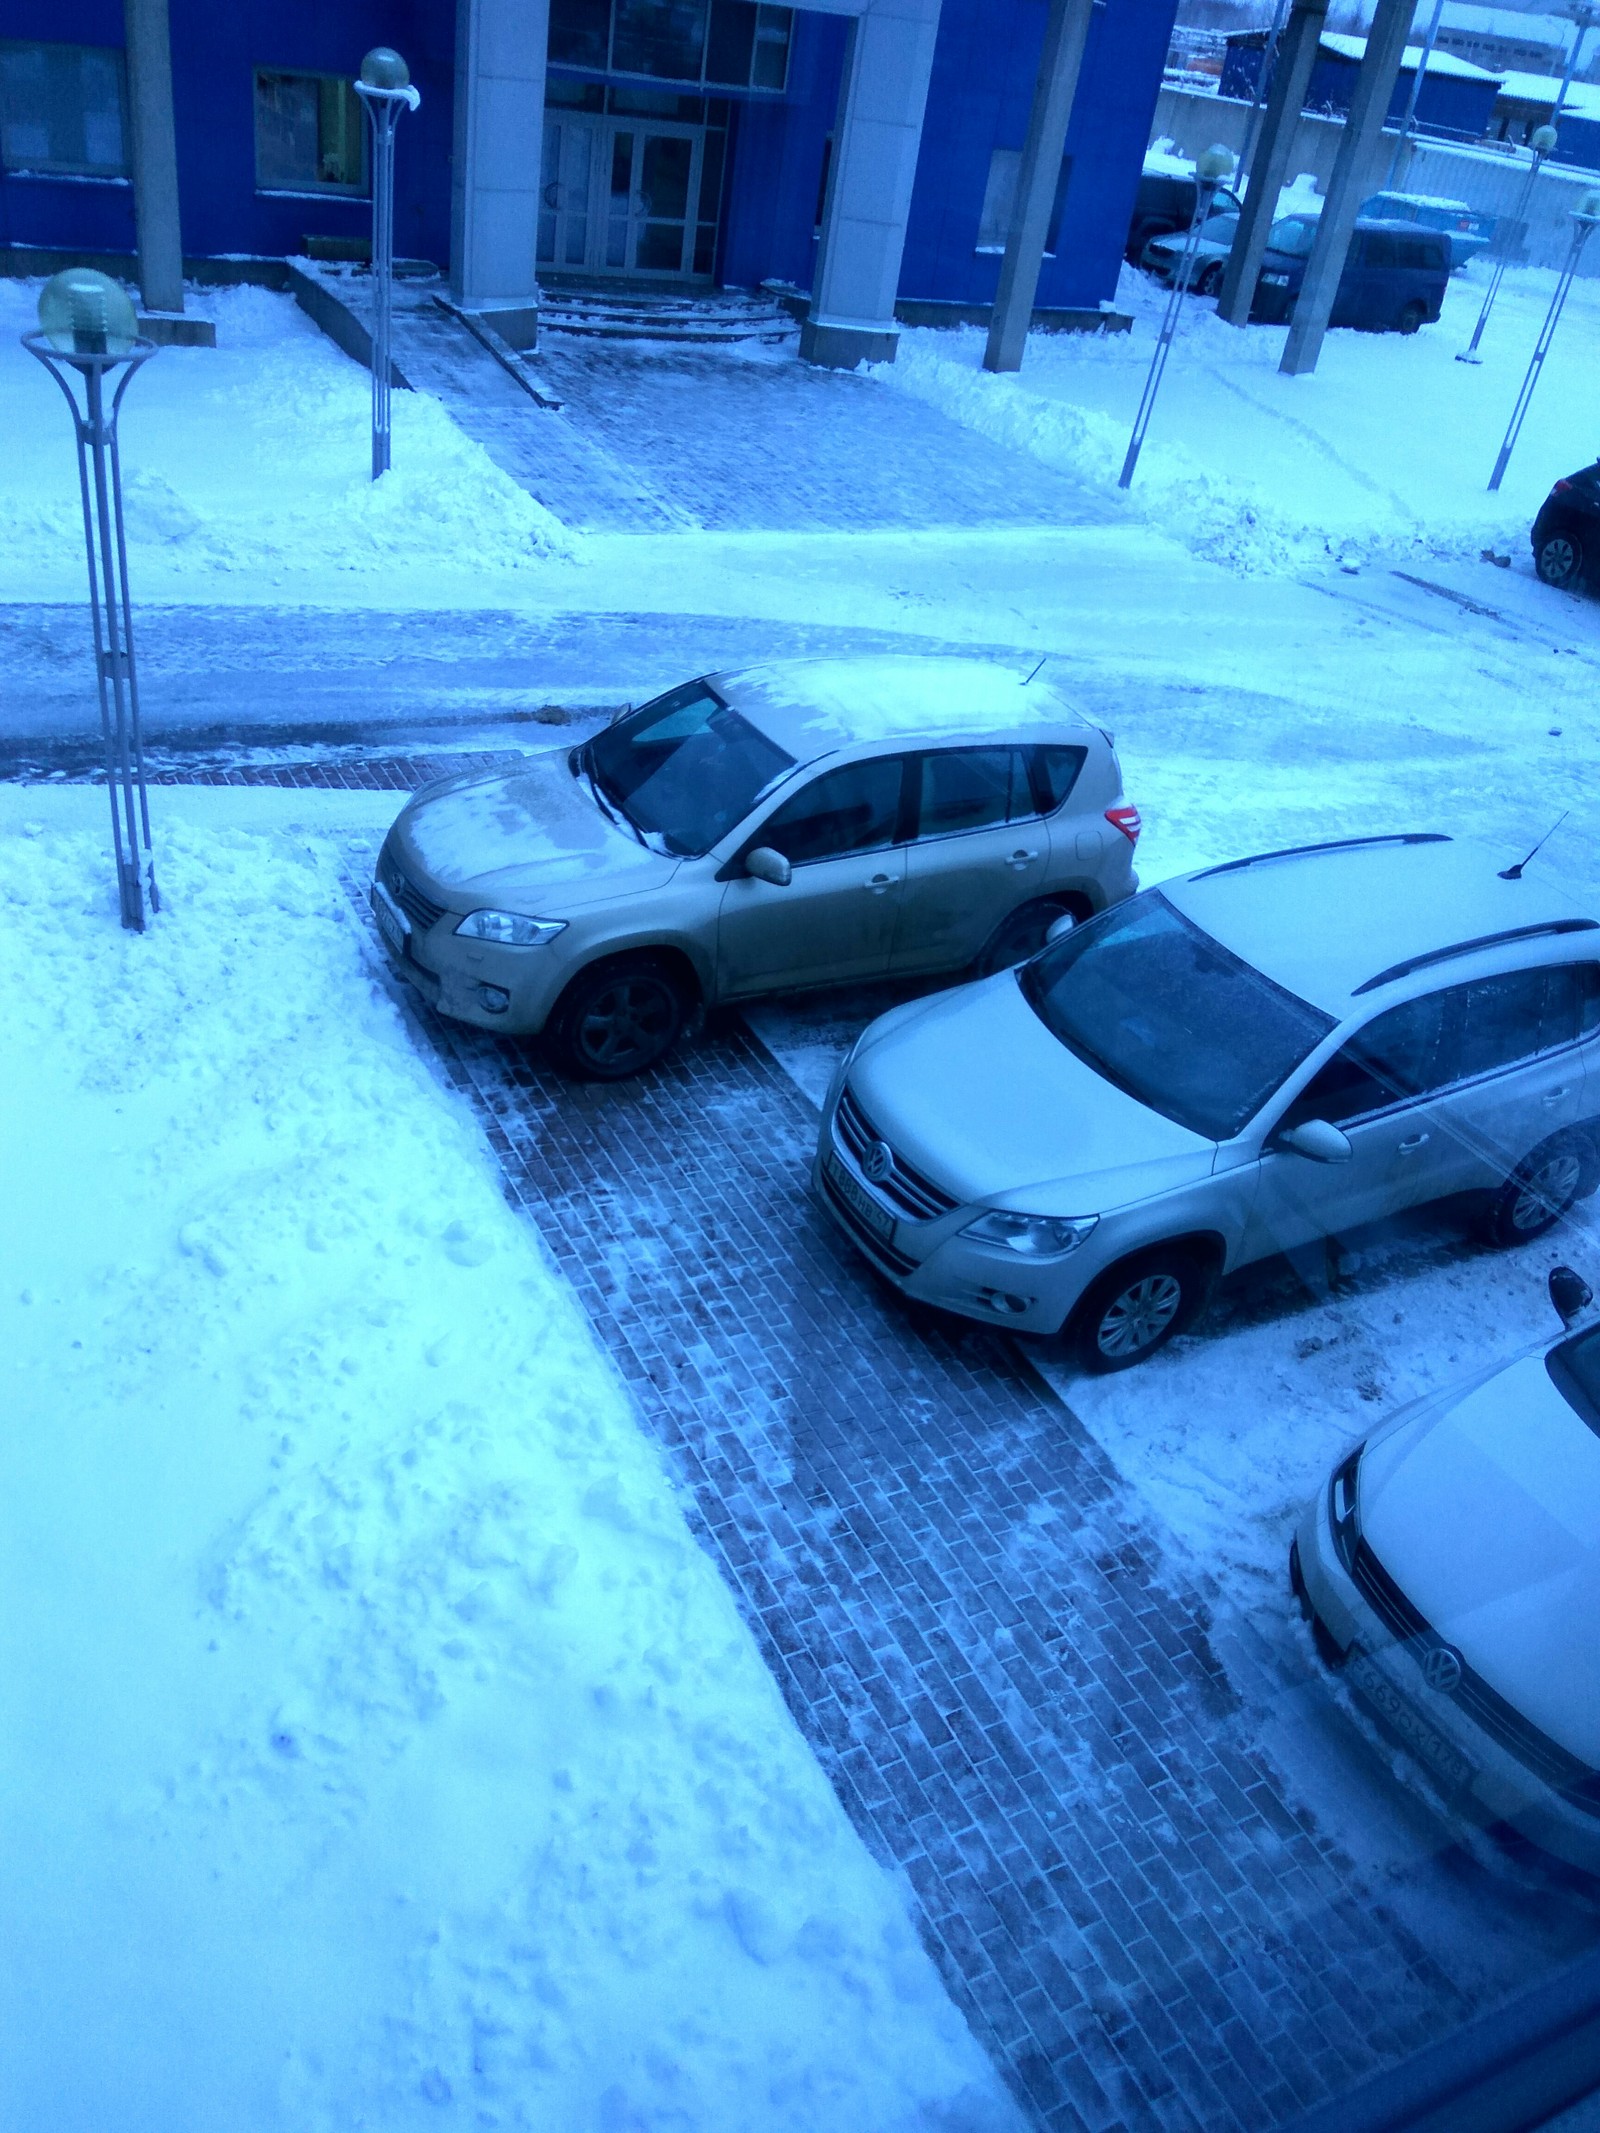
<point>1514,1016</point>
<point>1378,249</point>
<point>1587,977</point>
<point>972,788</point>
<point>1399,1054</point>
<point>853,809</point>
<point>1055,772</point>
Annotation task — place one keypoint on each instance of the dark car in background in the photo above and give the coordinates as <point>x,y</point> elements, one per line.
<point>1566,533</point>
<point>1394,276</point>
<point>1166,202</point>
<point>1466,231</point>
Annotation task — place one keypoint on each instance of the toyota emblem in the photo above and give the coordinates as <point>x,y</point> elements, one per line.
<point>1441,1670</point>
<point>878,1163</point>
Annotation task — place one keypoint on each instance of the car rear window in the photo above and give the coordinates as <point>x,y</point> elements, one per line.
<point>1168,1014</point>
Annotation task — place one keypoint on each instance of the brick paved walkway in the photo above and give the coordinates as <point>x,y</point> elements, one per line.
<point>1018,1705</point>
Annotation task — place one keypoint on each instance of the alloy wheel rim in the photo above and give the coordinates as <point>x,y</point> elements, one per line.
<point>627,1022</point>
<point>1140,1315</point>
<point>1545,1194</point>
<point>1558,558</point>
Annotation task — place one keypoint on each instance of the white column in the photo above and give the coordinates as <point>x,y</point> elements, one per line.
<point>155,155</point>
<point>495,185</point>
<point>875,144</point>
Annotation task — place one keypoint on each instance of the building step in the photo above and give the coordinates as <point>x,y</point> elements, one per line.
<point>712,318</point>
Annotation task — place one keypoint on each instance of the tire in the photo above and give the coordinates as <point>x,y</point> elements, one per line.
<point>1540,1190</point>
<point>617,1019</point>
<point>1412,318</point>
<point>1137,1307</point>
<point>1019,936</point>
<point>1558,559</point>
<point>1209,281</point>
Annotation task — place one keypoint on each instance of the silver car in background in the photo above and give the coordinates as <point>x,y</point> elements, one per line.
<point>1241,1062</point>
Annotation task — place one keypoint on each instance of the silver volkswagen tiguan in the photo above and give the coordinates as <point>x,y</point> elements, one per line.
<point>1239,1062</point>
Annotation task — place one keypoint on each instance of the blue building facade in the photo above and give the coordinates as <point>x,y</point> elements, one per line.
<point>682,141</point>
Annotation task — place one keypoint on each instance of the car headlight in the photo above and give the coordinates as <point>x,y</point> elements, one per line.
<point>1343,1515</point>
<point>1032,1236</point>
<point>510,929</point>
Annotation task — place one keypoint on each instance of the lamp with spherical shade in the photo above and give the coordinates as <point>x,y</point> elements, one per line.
<point>384,87</point>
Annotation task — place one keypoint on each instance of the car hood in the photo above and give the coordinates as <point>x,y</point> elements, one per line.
<point>974,1091</point>
<point>536,833</point>
<point>1217,247</point>
<point>1487,1517</point>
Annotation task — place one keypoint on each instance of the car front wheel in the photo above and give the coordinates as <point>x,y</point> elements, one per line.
<point>1210,279</point>
<point>1558,559</point>
<point>1138,1307</point>
<point>617,1019</point>
<point>1539,1191</point>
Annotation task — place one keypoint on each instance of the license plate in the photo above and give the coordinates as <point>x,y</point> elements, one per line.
<point>1424,1739</point>
<point>392,921</point>
<point>860,1203</point>
<point>1276,281</point>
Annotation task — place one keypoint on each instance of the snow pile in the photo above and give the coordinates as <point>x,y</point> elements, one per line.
<point>380,1749</point>
<point>256,455</point>
<point>1383,452</point>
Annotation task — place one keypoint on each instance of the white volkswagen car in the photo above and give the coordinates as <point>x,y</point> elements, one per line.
<point>1242,1062</point>
<point>1451,1568</point>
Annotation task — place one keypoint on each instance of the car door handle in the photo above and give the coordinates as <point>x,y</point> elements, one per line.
<point>1556,1096</point>
<point>877,883</point>
<point>1022,859</point>
<point>1410,1146</point>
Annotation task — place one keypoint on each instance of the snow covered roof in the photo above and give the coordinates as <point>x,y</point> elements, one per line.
<point>811,706</point>
<point>1438,62</point>
<point>1583,97</point>
<point>1509,22</point>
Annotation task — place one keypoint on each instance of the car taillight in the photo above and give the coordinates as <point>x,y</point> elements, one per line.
<point>1127,820</point>
<point>1562,488</point>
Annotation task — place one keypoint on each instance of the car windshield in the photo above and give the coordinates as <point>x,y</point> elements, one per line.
<point>1574,1370</point>
<point>685,768</point>
<point>1170,1015</point>
<point>1293,235</point>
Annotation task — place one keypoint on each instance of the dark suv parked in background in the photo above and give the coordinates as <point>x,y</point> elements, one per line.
<point>1566,534</point>
<point>1394,276</point>
<point>1166,203</point>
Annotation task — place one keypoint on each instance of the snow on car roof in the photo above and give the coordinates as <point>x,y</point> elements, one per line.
<point>1323,923</point>
<point>810,706</point>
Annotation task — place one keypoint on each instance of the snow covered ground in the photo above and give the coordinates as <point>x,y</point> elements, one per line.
<point>380,1748</point>
<point>1384,451</point>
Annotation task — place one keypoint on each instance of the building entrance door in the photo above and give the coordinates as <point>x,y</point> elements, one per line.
<point>623,196</point>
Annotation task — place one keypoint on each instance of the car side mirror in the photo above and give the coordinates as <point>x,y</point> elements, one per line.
<point>1570,1294</point>
<point>1058,928</point>
<point>764,864</point>
<point>1317,1140</point>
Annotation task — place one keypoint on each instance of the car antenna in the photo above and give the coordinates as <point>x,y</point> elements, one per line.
<point>1515,873</point>
<point>1028,677</point>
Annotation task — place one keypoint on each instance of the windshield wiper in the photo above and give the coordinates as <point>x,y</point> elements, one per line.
<point>607,802</point>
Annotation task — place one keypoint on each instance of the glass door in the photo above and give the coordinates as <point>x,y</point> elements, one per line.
<point>573,145</point>
<point>653,198</point>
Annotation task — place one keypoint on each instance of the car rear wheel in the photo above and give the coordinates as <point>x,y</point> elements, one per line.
<point>1539,1191</point>
<point>1139,1306</point>
<point>617,1019</point>
<point>1021,935</point>
<point>1209,280</point>
<point>1412,318</point>
<point>1558,559</point>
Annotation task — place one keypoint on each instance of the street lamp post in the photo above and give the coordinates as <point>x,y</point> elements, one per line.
<point>1210,169</point>
<point>87,329</point>
<point>384,87</point>
<point>1542,141</point>
<point>1415,97</point>
<point>1585,217</point>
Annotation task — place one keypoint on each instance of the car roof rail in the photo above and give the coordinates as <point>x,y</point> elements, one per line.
<point>1305,851</point>
<point>1484,940</point>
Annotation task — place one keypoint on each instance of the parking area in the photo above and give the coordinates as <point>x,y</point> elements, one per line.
<point>1016,1688</point>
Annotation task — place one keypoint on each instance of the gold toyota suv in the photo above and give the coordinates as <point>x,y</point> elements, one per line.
<point>815,822</point>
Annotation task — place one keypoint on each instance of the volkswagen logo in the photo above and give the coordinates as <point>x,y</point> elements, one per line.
<point>1441,1670</point>
<point>878,1163</point>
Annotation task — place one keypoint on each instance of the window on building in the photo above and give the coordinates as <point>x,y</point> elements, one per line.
<point>62,109</point>
<point>999,196</point>
<point>310,133</point>
<point>730,43</point>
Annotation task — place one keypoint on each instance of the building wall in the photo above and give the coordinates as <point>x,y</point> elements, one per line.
<point>1451,102</point>
<point>979,98</point>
